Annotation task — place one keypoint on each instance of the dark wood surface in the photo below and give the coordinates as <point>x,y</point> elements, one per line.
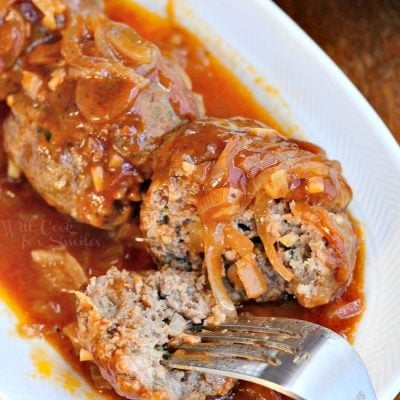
<point>363,38</point>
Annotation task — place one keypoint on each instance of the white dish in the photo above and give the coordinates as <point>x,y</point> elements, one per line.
<point>316,100</point>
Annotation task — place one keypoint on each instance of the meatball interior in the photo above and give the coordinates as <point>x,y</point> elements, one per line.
<point>128,322</point>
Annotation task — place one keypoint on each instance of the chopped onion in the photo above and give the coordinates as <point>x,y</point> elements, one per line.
<point>59,268</point>
<point>177,325</point>
<point>84,355</point>
<point>115,161</point>
<point>189,168</point>
<point>250,275</point>
<point>278,186</point>
<point>31,83</point>
<point>97,173</point>
<point>50,9</point>
<point>57,78</point>
<point>13,171</point>
<point>289,239</point>
<point>315,185</point>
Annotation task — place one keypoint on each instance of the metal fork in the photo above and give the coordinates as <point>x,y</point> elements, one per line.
<point>299,359</point>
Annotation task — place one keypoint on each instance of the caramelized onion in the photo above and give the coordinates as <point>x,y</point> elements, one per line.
<point>13,34</point>
<point>315,185</point>
<point>215,270</point>
<point>92,66</point>
<point>309,169</point>
<point>4,6</point>
<point>32,84</point>
<point>118,42</point>
<point>220,204</point>
<point>44,54</point>
<point>276,180</point>
<point>13,171</point>
<point>196,237</point>
<point>237,241</point>
<point>104,98</point>
<point>225,170</point>
<point>59,268</point>
<point>50,9</point>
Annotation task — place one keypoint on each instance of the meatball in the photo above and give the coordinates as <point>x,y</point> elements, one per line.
<point>94,100</point>
<point>128,321</point>
<point>264,214</point>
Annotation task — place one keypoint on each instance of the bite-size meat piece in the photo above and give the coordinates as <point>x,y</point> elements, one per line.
<point>90,100</point>
<point>265,214</point>
<point>128,321</point>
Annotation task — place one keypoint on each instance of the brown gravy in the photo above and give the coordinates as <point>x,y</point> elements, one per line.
<point>27,223</point>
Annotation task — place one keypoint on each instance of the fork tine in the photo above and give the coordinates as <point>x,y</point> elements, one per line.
<point>307,356</point>
<point>255,324</point>
<point>252,371</point>
<point>243,351</point>
<point>246,339</point>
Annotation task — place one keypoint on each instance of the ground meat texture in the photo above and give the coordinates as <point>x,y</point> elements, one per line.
<point>171,224</point>
<point>92,102</point>
<point>126,323</point>
<point>174,230</point>
<point>309,256</point>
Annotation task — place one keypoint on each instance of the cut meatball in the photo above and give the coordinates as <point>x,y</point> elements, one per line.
<point>267,209</point>
<point>93,101</point>
<point>171,223</point>
<point>318,277</point>
<point>174,234</point>
<point>128,322</point>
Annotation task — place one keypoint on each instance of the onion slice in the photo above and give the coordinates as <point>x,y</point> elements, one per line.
<point>220,204</point>
<point>249,273</point>
<point>215,270</point>
<point>104,99</point>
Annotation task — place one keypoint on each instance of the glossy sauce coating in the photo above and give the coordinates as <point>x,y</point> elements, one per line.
<point>27,223</point>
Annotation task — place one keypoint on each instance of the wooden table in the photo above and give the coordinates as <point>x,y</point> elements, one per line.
<point>363,38</point>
